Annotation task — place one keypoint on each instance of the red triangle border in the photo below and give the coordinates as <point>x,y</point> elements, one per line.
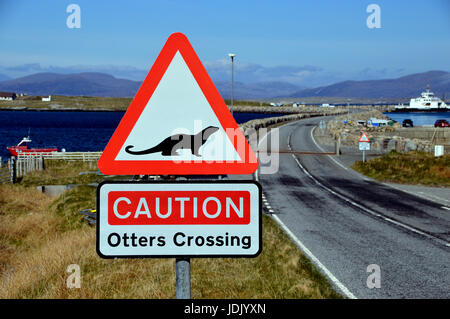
<point>107,164</point>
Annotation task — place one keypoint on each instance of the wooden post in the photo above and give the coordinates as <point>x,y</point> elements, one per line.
<point>13,169</point>
<point>41,163</point>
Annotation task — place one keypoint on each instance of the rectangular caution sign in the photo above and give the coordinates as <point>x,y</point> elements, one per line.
<point>364,146</point>
<point>179,219</point>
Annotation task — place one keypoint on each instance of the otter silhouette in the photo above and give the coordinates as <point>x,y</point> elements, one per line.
<point>170,145</point>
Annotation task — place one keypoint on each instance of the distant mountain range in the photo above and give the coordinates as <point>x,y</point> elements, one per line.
<point>88,84</point>
<point>255,91</point>
<point>100,84</point>
<point>405,86</point>
<point>4,77</point>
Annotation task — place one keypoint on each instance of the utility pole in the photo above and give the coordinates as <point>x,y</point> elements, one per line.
<point>232,55</point>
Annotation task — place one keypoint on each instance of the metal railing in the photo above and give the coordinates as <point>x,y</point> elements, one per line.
<point>90,215</point>
<point>5,174</point>
<point>67,156</point>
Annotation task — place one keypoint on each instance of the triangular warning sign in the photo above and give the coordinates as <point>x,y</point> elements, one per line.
<point>177,123</point>
<point>364,138</point>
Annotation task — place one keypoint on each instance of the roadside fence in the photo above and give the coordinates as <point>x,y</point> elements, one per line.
<point>25,163</point>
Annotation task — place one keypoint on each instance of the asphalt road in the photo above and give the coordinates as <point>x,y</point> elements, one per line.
<point>345,222</point>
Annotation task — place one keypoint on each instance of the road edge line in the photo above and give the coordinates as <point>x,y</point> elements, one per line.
<point>314,259</point>
<point>437,200</point>
<point>303,248</point>
<point>369,211</point>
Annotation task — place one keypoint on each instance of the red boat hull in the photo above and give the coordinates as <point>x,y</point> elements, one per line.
<point>14,150</point>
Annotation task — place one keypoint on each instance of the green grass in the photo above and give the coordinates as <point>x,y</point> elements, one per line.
<point>89,103</point>
<point>69,203</point>
<point>410,168</point>
<point>60,172</point>
<point>247,103</point>
<point>73,102</point>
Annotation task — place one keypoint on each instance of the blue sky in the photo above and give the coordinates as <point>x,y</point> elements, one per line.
<point>307,42</point>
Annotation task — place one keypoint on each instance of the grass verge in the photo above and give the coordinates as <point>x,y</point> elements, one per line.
<point>410,168</point>
<point>41,236</point>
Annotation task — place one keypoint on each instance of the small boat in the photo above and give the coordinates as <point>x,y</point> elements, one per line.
<point>22,148</point>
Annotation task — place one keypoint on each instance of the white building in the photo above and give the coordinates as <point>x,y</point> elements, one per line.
<point>47,99</point>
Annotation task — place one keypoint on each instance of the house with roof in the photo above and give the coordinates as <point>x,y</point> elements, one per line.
<point>8,96</point>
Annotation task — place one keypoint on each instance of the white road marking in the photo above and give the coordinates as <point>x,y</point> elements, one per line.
<point>369,211</point>
<point>419,194</point>
<point>314,140</point>
<point>314,259</point>
<point>441,241</point>
<point>435,197</point>
<point>306,251</point>
<point>423,195</point>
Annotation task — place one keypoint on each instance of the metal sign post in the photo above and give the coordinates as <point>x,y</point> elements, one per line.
<point>181,220</point>
<point>183,280</point>
<point>364,145</point>
<point>322,126</point>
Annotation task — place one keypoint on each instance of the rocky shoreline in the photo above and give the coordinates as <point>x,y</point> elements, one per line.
<point>252,126</point>
<point>382,138</point>
<point>237,109</point>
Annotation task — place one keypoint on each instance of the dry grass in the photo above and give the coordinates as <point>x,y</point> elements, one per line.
<point>41,236</point>
<point>411,168</point>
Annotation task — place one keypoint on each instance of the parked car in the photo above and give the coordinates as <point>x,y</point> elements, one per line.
<point>441,123</point>
<point>407,123</point>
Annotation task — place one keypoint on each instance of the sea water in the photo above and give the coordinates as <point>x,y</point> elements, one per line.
<point>73,131</point>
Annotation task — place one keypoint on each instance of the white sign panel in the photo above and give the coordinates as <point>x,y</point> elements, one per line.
<point>364,146</point>
<point>163,105</point>
<point>438,150</point>
<point>179,219</point>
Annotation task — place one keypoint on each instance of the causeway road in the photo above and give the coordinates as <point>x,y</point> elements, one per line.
<point>369,239</point>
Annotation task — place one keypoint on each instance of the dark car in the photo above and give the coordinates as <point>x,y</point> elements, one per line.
<point>407,123</point>
<point>441,123</point>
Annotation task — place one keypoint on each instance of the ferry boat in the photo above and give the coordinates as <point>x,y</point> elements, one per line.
<point>427,102</point>
<point>22,148</point>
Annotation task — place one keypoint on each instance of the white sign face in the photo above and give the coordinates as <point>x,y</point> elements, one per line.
<point>179,219</point>
<point>364,146</point>
<point>438,150</point>
<point>177,93</point>
<point>364,138</point>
